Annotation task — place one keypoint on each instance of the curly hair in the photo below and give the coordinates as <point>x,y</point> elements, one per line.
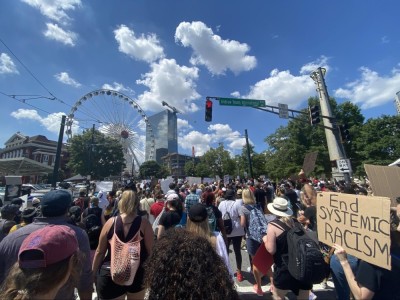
<point>184,265</point>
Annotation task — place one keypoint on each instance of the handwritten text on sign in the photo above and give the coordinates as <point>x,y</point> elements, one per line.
<point>360,224</point>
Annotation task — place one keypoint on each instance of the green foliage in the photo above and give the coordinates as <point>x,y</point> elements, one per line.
<point>288,146</point>
<point>93,153</point>
<point>150,169</point>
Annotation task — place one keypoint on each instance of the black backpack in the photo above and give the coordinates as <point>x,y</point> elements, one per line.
<point>228,224</point>
<point>305,260</point>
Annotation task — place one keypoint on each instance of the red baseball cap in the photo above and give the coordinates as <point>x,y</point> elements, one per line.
<point>47,246</point>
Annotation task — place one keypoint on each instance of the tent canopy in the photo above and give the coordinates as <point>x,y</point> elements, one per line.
<point>78,177</point>
<point>23,166</point>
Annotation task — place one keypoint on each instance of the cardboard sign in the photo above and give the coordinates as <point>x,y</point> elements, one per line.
<point>309,162</point>
<point>384,181</point>
<point>360,224</point>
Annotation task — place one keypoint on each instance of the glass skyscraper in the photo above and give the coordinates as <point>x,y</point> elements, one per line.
<point>164,125</point>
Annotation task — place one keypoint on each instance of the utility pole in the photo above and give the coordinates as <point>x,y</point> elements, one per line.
<point>331,132</point>
<point>58,153</point>
<point>248,154</point>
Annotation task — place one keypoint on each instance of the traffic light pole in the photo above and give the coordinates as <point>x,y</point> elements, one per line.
<point>332,139</point>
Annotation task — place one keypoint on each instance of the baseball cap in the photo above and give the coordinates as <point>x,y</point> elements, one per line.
<point>55,203</point>
<point>172,196</point>
<point>46,246</point>
<point>9,209</point>
<point>17,201</point>
<point>197,213</point>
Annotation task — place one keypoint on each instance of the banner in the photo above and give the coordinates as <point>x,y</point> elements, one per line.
<point>193,180</point>
<point>360,224</point>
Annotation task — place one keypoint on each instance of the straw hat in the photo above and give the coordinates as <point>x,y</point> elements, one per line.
<point>280,207</point>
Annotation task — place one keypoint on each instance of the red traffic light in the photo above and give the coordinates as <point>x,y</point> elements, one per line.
<point>208,111</point>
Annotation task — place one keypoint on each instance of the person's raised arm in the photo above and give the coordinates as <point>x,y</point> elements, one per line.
<point>359,291</point>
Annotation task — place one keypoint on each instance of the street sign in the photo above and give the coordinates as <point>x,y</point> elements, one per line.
<point>343,165</point>
<point>241,102</point>
<point>283,111</point>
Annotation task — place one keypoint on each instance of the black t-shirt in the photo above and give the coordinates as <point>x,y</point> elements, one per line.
<point>260,196</point>
<point>384,283</point>
<point>170,219</point>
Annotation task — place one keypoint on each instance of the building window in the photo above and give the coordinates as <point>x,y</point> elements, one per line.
<point>45,158</point>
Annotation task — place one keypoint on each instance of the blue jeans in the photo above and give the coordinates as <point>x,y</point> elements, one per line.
<point>339,279</point>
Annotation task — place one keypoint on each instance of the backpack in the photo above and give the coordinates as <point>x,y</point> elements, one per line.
<point>212,220</point>
<point>228,224</point>
<point>305,260</point>
<point>257,224</point>
<point>125,257</point>
<point>93,227</point>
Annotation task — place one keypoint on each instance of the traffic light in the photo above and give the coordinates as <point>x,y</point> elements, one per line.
<point>344,134</point>
<point>208,116</point>
<point>314,114</point>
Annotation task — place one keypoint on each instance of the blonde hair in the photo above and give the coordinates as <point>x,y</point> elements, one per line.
<point>129,203</point>
<point>287,220</point>
<point>248,197</point>
<point>202,229</point>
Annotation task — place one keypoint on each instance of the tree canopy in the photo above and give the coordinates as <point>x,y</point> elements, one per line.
<point>93,153</point>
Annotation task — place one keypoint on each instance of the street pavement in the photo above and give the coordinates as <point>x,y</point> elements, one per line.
<point>245,288</point>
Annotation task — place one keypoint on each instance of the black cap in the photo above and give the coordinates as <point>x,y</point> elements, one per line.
<point>9,209</point>
<point>198,213</point>
<point>55,203</point>
<point>230,194</point>
<point>17,201</point>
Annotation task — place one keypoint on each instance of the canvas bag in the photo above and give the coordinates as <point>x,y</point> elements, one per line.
<point>257,224</point>
<point>125,257</point>
<point>305,260</point>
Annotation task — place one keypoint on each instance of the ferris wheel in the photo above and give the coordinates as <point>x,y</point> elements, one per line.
<point>119,117</point>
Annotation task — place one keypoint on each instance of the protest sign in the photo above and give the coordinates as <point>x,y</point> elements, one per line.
<point>309,162</point>
<point>165,184</point>
<point>360,224</point>
<point>208,180</point>
<point>384,181</point>
<point>193,180</point>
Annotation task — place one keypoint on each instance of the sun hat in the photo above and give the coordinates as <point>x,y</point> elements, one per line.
<point>197,213</point>
<point>280,207</point>
<point>46,246</point>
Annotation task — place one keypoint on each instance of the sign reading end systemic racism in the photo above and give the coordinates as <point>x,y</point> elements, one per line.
<point>360,224</point>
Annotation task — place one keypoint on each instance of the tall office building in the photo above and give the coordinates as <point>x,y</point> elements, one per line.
<point>397,102</point>
<point>164,126</point>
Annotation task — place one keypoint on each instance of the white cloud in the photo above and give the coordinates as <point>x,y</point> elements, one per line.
<point>55,10</point>
<point>371,90</point>
<point>51,122</point>
<point>170,82</point>
<point>119,87</point>
<point>144,48</point>
<point>183,125</point>
<point>209,49</point>
<point>54,32</point>
<point>217,133</point>
<point>7,65</point>
<point>308,68</point>
<point>285,87</point>
<point>64,77</point>
<point>385,40</point>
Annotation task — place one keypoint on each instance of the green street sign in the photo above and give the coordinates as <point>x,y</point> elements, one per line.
<point>241,102</point>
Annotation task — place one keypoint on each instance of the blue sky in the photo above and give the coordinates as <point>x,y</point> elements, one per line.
<point>182,51</point>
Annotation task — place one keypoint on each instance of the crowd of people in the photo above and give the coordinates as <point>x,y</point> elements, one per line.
<point>143,242</point>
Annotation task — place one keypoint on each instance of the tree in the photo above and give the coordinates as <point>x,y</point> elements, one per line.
<point>288,146</point>
<point>93,153</point>
<point>377,142</point>
<point>216,162</point>
<point>149,169</point>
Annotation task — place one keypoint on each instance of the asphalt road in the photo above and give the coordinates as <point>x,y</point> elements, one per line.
<point>245,288</point>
